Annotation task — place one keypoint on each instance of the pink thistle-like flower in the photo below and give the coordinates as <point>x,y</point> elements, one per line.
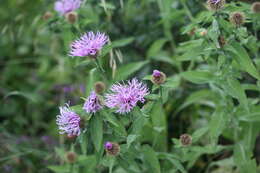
<point>92,104</point>
<point>156,73</point>
<point>88,44</point>
<point>125,97</point>
<point>68,122</point>
<point>66,6</point>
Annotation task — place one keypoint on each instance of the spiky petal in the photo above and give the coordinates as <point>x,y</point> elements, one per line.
<point>124,97</point>
<point>88,44</point>
<point>66,6</point>
<point>68,121</point>
<point>92,104</point>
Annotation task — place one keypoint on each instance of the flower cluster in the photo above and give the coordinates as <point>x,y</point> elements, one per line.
<point>124,97</point>
<point>66,6</point>
<point>88,44</point>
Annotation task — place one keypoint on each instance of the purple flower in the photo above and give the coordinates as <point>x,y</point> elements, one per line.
<point>156,73</point>
<point>68,122</point>
<point>92,104</point>
<point>125,97</point>
<point>88,44</point>
<point>108,145</point>
<point>66,6</point>
<point>215,1</point>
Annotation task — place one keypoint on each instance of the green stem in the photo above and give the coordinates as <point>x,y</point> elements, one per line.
<point>187,10</point>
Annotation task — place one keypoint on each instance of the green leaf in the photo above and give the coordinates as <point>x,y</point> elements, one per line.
<point>172,82</point>
<point>60,168</point>
<point>198,77</point>
<point>242,58</point>
<point>252,117</point>
<point>235,89</point>
<point>96,131</point>
<point>29,96</point>
<point>90,81</point>
<point>243,160</point>
<point>217,124</point>
<point>199,133</point>
<point>122,42</point>
<point>126,70</point>
<point>151,159</point>
<point>130,139</point>
<point>198,97</point>
<point>156,47</point>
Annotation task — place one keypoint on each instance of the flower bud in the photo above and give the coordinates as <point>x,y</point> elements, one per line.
<point>71,17</point>
<point>255,7</point>
<point>112,149</point>
<point>71,157</point>
<point>215,5</point>
<point>203,33</point>
<point>222,41</point>
<point>99,87</point>
<point>237,18</point>
<point>158,77</point>
<point>47,15</point>
<point>186,139</point>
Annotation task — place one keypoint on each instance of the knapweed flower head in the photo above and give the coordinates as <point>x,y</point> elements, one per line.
<point>158,77</point>
<point>185,139</point>
<point>71,17</point>
<point>88,44</point>
<point>215,4</point>
<point>68,121</point>
<point>256,7</point>
<point>112,148</point>
<point>93,103</point>
<point>124,97</point>
<point>237,18</point>
<point>66,6</point>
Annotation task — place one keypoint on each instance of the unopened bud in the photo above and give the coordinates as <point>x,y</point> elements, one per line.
<point>255,7</point>
<point>186,139</point>
<point>222,41</point>
<point>99,87</point>
<point>71,17</point>
<point>71,157</point>
<point>158,77</point>
<point>237,18</point>
<point>203,33</point>
<point>215,5</point>
<point>47,15</point>
<point>112,148</point>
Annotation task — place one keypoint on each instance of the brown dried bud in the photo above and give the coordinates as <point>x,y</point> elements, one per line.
<point>112,148</point>
<point>99,87</point>
<point>222,41</point>
<point>203,33</point>
<point>71,157</point>
<point>237,18</point>
<point>158,77</point>
<point>47,15</point>
<point>215,5</point>
<point>255,7</point>
<point>186,139</point>
<point>71,17</point>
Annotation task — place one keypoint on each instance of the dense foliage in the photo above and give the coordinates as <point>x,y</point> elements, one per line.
<point>189,68</point>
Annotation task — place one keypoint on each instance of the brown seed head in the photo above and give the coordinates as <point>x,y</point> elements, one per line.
<point>71,17</point>
<point>255,7</point>
<point>47,15</point>
<point>71,157</point>
<point>99,87</point>
<point>237,18</point>
<point>186,139</point>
